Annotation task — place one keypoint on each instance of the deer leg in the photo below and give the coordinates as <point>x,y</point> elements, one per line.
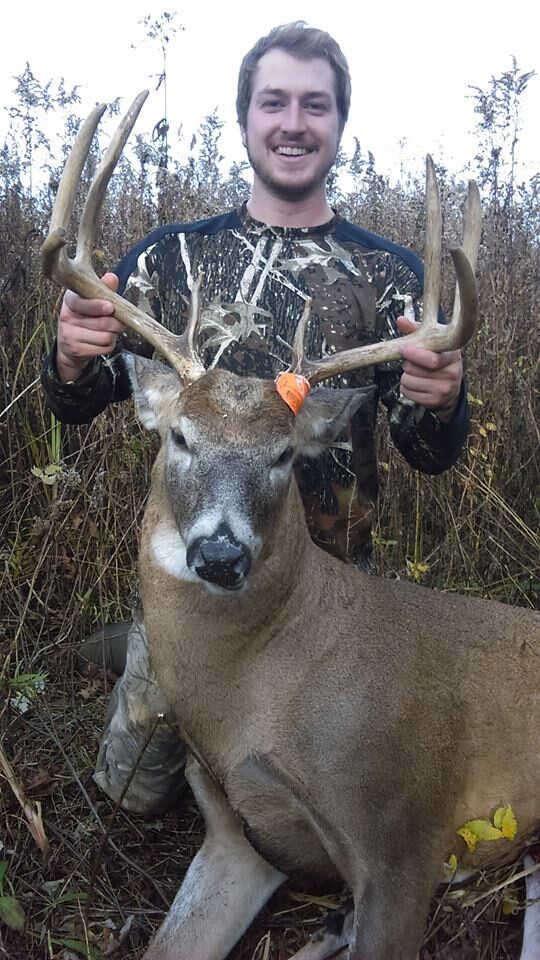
<point>531,924</point>
<point>225,887</point>
<point>391,906</point>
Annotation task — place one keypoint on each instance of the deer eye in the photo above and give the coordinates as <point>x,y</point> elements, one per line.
<point>286,455</point>
<point>178,438</point>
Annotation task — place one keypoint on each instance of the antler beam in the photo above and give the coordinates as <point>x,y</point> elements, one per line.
<point>432,335</point>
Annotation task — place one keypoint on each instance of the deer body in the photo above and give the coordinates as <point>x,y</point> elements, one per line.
<point>352,723</point>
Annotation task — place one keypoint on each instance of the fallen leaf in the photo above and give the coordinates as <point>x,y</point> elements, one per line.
<point>80,947</point>
<point>505,820</point>
<point>475,830</point>
<point>12,913</point>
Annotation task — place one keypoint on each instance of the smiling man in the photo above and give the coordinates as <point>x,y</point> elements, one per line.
<point>291,133</point>
<point>261,262</point>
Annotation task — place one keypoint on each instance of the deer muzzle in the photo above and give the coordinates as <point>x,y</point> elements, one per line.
<point>220,559</point>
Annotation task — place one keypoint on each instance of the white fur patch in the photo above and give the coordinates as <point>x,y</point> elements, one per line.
<point>169,551</point>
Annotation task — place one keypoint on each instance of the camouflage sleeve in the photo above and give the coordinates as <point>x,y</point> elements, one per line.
<point>427,443</point>
<point>102,381</point>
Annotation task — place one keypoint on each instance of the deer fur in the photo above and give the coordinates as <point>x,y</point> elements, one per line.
<point>342,725</point>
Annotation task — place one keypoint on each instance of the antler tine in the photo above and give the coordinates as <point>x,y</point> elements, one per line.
<point>78,274</point>
<point>67,189</point>
<point>471,242</point>
<point>187,341</point>
<point>104,172</point>
<point>433,251</point>
<point>431,335</point>
<point>299,360</point>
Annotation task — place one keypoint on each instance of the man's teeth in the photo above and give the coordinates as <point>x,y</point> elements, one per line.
<point>292,151</point>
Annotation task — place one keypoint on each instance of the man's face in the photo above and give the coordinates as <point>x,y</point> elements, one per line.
<point>293,126</point>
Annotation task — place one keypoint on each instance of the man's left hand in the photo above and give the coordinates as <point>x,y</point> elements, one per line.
<point>431,379</point>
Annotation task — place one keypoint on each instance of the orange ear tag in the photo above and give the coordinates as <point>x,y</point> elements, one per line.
<point>293,389</point>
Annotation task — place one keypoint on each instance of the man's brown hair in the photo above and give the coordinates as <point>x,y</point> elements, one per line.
<point>300,41</point>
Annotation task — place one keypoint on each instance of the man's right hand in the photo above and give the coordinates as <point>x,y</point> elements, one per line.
<point>86,329</point>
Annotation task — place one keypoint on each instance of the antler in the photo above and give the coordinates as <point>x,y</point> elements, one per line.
<point>78,273</point>
<point>432,335</point>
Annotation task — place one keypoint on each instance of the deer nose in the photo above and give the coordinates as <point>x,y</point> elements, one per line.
<point>220,559</point>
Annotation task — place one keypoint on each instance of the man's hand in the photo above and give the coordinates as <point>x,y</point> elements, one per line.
<point>86,329</point>
<point>431,379</point>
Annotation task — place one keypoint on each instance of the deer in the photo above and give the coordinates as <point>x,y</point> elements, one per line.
<point>340,726</point>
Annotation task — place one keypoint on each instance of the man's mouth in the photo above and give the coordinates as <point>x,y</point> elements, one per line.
<point>283,151</point>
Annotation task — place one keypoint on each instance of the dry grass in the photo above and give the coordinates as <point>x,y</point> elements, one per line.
<point>68,550</point>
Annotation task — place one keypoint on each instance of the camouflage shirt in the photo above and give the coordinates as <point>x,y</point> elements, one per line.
<point>257,279</point>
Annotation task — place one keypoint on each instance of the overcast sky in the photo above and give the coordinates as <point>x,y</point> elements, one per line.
<point>411,64</point>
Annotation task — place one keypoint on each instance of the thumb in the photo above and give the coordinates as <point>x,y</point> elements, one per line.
<point>405,325</point>
<point>110,280</point>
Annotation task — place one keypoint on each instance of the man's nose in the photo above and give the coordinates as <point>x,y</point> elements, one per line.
<point>293,121</point>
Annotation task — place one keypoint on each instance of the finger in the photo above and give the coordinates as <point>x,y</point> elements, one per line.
<point>72,324</point>
<point>405,325</point>
<point>111,281</point>
<point>434,394</point>
<point>428,360</point>
<point>79,306</point>
<point>91,343</point>
<point>92,307</point>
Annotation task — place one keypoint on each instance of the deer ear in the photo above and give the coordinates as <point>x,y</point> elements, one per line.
<point>154,386</point>
<point>325,413</point>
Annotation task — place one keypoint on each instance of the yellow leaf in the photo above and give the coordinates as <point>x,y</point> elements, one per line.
<point>450,867</point>
<point>480,830</point>
<point>482,431</point>
<point>509,826</point>
<point>504,819</point>
<point>417,570</point>
<point>474,400</point>
<point>490,425</point>
<point>48,474</point>
<point>470,839</point>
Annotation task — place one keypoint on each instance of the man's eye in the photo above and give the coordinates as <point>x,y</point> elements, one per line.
<point>178,438</point>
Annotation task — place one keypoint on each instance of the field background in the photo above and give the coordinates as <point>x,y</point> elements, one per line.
<point>72,500</point>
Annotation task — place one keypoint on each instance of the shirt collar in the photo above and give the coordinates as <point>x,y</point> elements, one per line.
<point>252,225</point>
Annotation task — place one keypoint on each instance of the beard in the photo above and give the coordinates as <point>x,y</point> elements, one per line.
<point>290,190</point>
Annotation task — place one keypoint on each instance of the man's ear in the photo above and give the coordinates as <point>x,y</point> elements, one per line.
<point>243,135</point>
<point>325,413</point>
<point>154,385</point>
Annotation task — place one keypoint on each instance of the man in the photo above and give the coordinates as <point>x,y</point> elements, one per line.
<point>260,264</point>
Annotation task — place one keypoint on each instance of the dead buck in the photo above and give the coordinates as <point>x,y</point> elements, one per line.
<point>340,725</point>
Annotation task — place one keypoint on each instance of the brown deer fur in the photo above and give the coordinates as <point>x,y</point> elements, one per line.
<point>352,723</point>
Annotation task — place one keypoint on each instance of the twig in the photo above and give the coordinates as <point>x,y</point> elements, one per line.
<point>32,814</point>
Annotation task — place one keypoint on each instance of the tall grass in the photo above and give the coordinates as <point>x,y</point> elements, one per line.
<point>72,500</point>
